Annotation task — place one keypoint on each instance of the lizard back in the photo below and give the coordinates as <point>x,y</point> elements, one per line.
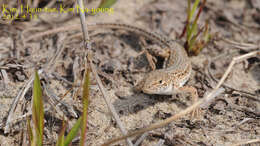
<point>178,61</point>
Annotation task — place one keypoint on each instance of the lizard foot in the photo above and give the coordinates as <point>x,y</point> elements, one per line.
<point>196,113</point>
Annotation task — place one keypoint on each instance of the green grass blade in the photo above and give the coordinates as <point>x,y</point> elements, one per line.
<point>186,28</point>
<point>37,110</point>
<point>194,7</point>
<point>189,11</point>
<point>192,42</point>
<point>73,132</point>
<point>199,12</point>
<point>60,141</point>
<point>193,30</point>
<point>29,131</point>
<point>85,100</point>
<point>206,34</point>
<point>106,3</point>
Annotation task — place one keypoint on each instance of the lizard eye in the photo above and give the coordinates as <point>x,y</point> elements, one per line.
<point>160,81</point>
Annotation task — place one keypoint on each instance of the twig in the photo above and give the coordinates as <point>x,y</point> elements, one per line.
<point>35,3</point>
<point>58,77</point>
<point>27,86</point>
<point>22,117</point>
<point>48,32</point>
<point>138,142</point>
<point>244,46</point>
<point>160,142</point>
<point>235,60</point>
<point>15,102</point>
<point>4,77</point>
<point>50,4</point>
<point>249,95</point>
<point>110,106</point>
<point>51,64</point>
<point>56,101</point>
<point>76,70</point>
<point>84,27</point>
<point>247,142</point>
<point>243,121</point>
<point>52,102</point>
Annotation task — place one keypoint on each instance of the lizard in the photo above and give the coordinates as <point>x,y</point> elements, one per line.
<point>167,81</point>
<point>163,81</point>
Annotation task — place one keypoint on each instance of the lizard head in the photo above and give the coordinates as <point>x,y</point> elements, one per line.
<point>157,82</point>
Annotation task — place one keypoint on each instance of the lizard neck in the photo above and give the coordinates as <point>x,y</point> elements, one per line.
<point>178,60</point>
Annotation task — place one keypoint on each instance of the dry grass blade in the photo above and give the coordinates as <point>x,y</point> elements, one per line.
<point>139,141</point>
<point>94,71</point>
<point>208,97</point>
<point>235,60</point>
<point>244,46</point>
<point>195,105</point>
<point>247,142</point>
<point>54,105</point>
<point>84,27</point>
<point>160,143</point>
<point>110,106</point>
<point>14,104</point>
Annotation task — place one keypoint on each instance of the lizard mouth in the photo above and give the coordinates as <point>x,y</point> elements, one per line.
<point>147,91</point>
<point>162,91</point>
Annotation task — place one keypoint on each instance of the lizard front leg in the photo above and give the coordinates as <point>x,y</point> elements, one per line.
<point>194,95</point>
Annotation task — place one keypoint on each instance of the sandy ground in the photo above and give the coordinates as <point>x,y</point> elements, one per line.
<point>231,118</point>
